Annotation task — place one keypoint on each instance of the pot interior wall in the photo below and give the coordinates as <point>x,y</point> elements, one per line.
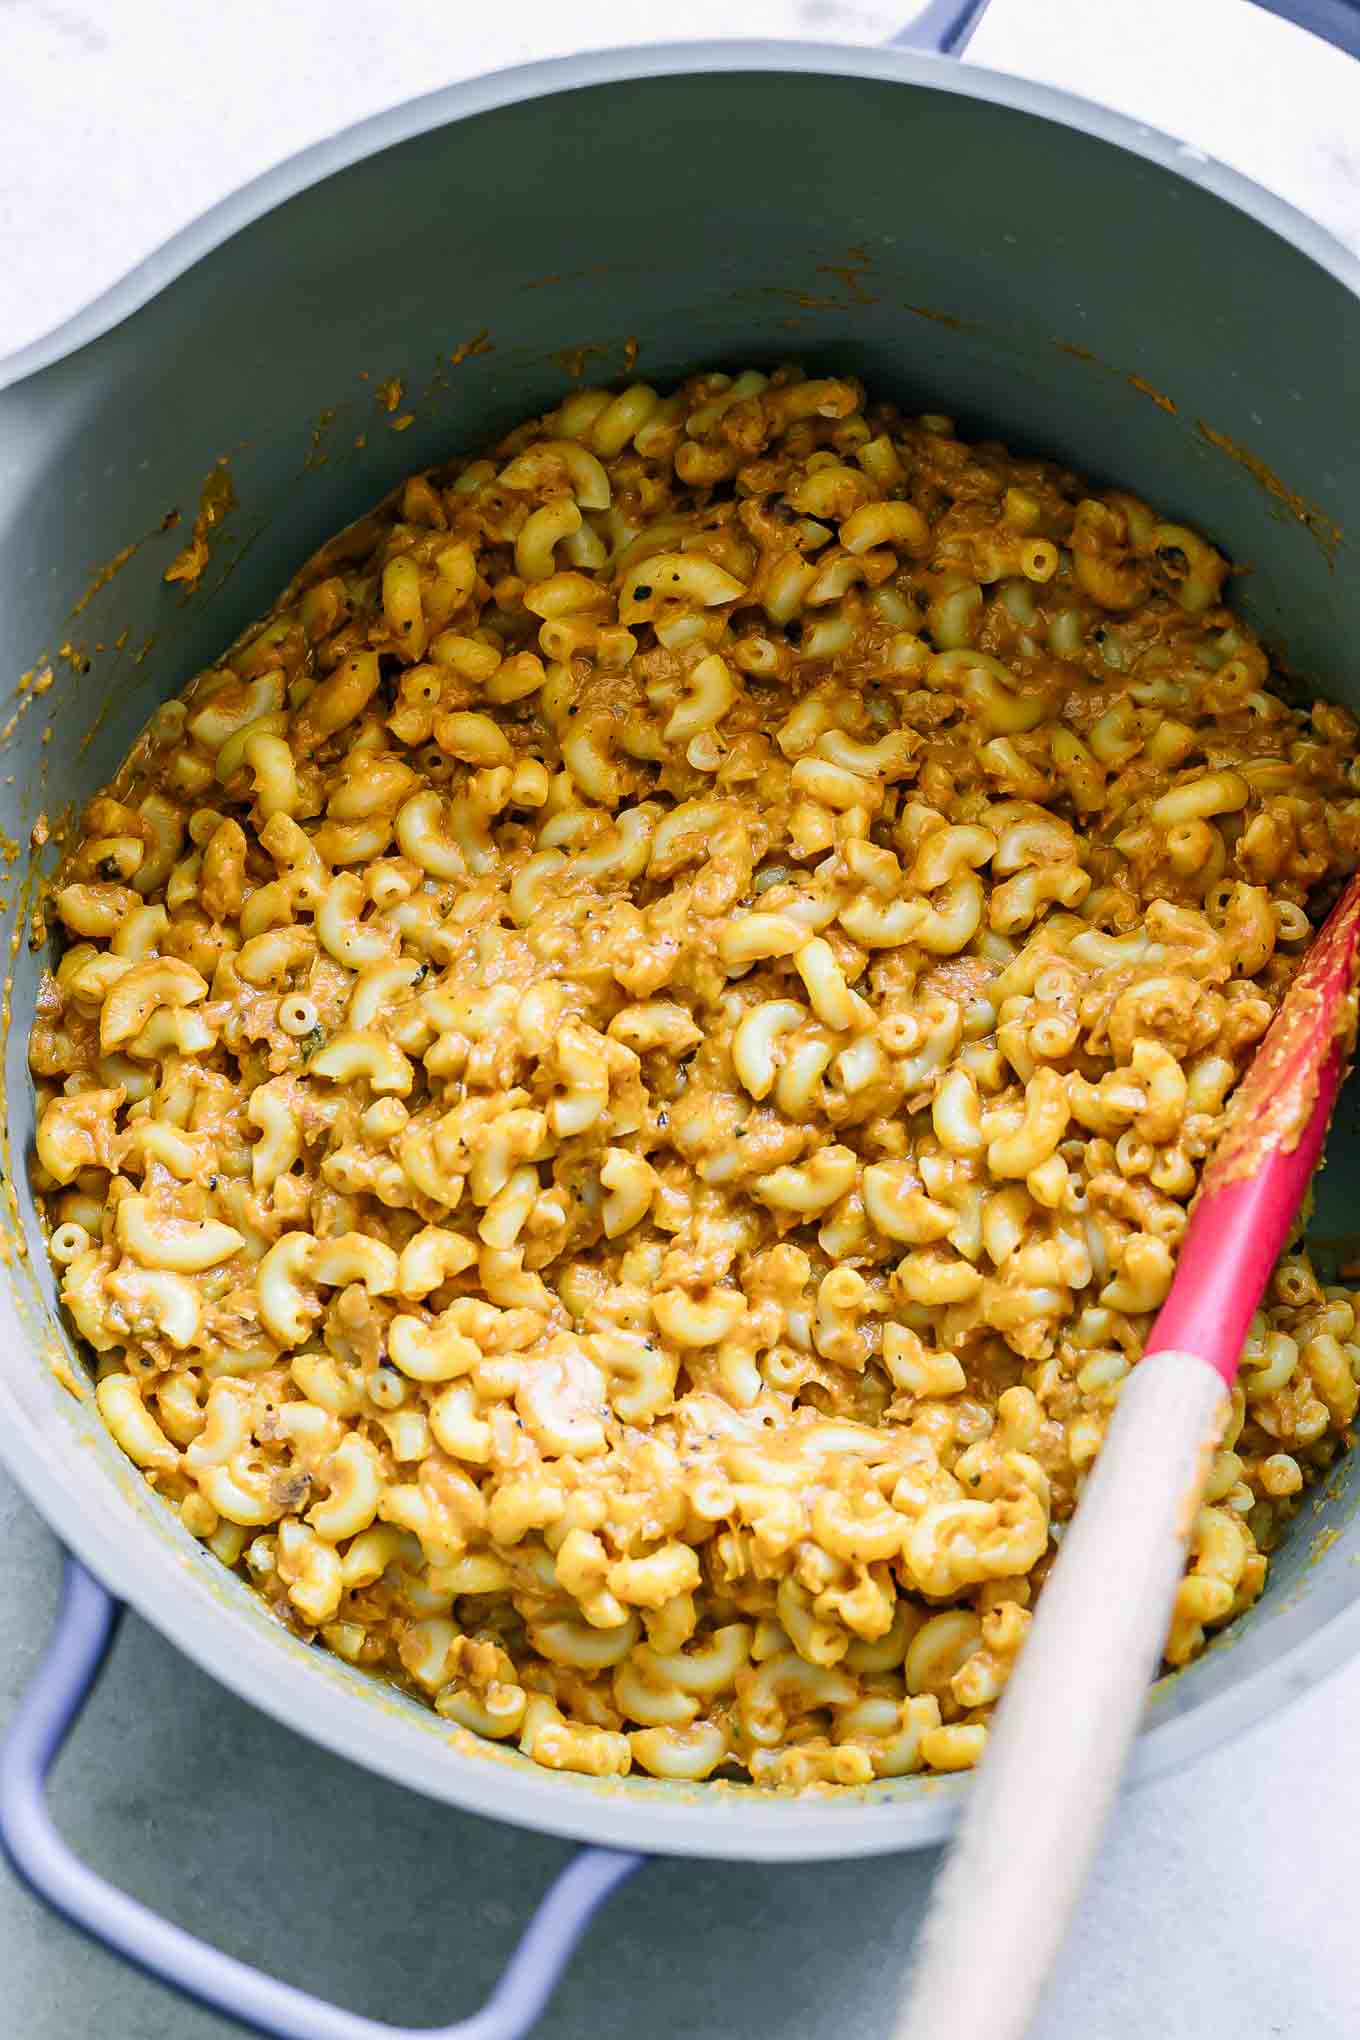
<point>1036,282</point>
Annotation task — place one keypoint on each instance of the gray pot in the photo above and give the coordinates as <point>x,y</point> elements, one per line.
<point>1045,270</point>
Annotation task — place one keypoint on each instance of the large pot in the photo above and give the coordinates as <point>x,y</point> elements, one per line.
<point>1045,270</point>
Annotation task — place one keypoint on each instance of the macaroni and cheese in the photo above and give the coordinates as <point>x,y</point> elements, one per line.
<point>626,1072</point>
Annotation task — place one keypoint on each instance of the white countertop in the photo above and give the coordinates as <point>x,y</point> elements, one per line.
<point>1223,1901</point>
<point>113,136</point>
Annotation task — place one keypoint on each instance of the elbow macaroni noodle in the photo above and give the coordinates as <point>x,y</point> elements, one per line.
<point>625,1074</point>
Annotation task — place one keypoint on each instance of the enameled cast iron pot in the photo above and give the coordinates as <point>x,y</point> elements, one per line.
<point>1047,271</point>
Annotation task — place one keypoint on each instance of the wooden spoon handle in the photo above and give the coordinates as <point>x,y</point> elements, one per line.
<point>1041,1797</point>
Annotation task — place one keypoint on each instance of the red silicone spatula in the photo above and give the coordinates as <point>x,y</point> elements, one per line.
<point>1004,1897</point>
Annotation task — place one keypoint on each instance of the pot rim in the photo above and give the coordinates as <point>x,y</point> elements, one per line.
<point>489,91</point>
<point>257,1664</point>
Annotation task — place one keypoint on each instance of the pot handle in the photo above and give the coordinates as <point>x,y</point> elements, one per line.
<point>946,26</point>
<point>1335,21</point>
<point>58,1691</point>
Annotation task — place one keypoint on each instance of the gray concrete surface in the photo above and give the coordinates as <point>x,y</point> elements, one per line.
<point>1223,1901</point>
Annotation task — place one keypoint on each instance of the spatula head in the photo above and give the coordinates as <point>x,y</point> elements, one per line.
<point>1272,1108</point>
